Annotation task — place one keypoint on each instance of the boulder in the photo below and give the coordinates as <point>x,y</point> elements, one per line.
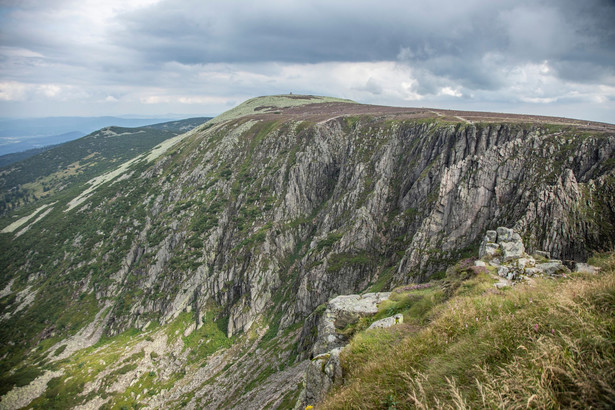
<point>491,236</point>
<point>512,250</point>
<point>487,249</point>
<point>503,271</point>
<point>527,262</point>
<point>552,268</point>
<point>504,234</point>
<point>387,322</point>
<point>532,271</point>
<point>488,245</point>
<point>350,308</point>
<point>585,268</point>
<point>511,244</point>
<point>341,312</point>
<point>542,254</point>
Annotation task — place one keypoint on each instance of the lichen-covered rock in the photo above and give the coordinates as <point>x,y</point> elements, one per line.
<point>488,249</point>
<point>491,236</point>
<point>512,250</point>
<point>507,241</point>
<point>503,271</point>
<point>341,312</point>
<point>504,234</point>
<point>552,268</point>
<point>349,308</point>
<point>525,262</point>
<point>532,271</point>
<point>324,372</point>
<point>387,322</point>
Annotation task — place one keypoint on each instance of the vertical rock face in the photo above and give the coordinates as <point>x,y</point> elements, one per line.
<point>263,217</point>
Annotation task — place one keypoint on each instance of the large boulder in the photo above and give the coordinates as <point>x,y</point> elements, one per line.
<point>488,249</point>
<point>513,249</point>
<point>504,234</point>
<point>347,309</point>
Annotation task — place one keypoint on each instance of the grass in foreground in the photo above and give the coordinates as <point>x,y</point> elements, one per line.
<point>546,345</point>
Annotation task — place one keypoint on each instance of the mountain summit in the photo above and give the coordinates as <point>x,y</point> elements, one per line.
<point>191,274</point>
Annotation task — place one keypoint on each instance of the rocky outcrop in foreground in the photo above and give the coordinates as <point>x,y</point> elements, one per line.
<point>503,250</point>
<point>324,371</point>
<point>261,215</point>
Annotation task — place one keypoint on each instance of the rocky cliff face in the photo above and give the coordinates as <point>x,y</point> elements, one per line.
<point>259,216</point>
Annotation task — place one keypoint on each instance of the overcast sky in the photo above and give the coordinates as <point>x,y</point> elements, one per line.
<point>197,57</point>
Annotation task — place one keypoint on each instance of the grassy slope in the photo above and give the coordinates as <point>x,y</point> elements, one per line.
<point>76,161</point>
<point>546,345</point>
<point>272,102</point>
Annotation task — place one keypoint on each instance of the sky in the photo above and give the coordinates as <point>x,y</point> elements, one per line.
<point>200,58</point>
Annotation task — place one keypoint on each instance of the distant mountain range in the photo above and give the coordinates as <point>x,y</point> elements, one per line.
<point>21,134</point>
<point>42,172</point>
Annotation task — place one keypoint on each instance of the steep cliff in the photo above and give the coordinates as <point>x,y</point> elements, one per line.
<point>256,218</point>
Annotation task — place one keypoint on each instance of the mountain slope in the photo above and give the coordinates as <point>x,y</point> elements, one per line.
<point>218,243</point>
<point>19,134</point>
<point>55,169</point>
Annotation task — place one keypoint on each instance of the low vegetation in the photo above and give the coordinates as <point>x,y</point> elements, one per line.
<point>548,344</point>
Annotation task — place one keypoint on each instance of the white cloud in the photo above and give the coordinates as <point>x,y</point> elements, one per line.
<point>450,92</point>
<point>13,91</point>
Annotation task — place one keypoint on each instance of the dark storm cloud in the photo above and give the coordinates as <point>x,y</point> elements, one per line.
<point>448,39</point>
<point>171,54</point>
<point>290,31</point>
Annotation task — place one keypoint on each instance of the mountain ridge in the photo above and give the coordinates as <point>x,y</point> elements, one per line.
<point>238,230</point>
<point>60,166</point>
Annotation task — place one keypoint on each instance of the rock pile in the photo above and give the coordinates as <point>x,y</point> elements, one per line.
<point>503,249</point>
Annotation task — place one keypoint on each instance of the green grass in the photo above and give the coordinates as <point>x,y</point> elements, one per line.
<point>550,345</point>
<point>20,378</point>
<point>85,366</point>
<point>343,260</point>
<point>329,241</point>
<point>267,103</point>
